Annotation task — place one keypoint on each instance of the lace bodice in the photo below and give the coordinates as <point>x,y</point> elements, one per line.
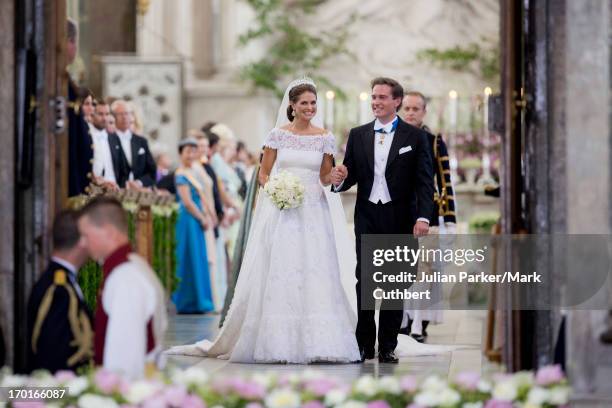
<point>302,156</point>
<point>281,139</point>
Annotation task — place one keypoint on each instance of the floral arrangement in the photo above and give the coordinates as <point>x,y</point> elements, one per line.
<point>285,190</point>
<point>194,388</point>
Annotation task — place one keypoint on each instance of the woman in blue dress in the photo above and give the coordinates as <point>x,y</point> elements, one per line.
<point>194,293</point>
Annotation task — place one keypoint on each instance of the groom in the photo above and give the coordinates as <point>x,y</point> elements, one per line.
<point>389,161</point>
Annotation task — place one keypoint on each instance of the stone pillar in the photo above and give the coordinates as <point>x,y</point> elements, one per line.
<point>7,175</point>
<point>587,154</point>
<point>229,38</point>
<point>203,39</point>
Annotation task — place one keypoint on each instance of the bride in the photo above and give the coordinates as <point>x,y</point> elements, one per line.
<point>294,300</point>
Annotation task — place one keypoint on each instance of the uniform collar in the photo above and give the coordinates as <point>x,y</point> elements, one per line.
<point>67,265</point>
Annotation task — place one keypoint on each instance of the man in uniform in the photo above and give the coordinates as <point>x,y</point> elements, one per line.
<point>414,109</point>
<point>59,324</point>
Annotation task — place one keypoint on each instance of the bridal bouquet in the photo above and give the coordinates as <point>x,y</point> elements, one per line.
<point>285,190</point>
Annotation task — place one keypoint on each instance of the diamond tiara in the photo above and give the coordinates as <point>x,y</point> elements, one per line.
<point>301,81</point>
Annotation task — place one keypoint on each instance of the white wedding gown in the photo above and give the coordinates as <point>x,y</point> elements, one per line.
<point>295,298</point>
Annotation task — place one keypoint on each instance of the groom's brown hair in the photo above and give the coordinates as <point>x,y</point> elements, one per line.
<point>397,91</point>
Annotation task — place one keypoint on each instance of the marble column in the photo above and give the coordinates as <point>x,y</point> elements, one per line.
<point>203,39</point>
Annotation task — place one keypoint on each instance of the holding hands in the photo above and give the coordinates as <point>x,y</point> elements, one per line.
<point>339,174</point>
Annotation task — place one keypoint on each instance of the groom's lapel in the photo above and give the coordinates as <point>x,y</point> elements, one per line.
<point>397,143</point>
<point>368,140</point>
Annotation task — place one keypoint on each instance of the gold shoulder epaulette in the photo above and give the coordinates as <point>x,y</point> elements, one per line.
<point>59,277</point>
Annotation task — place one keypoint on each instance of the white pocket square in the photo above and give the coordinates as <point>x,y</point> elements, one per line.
<point>141,151</point>
<point>405,149</point>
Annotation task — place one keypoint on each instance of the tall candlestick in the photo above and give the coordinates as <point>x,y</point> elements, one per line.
<point>452,104</point>
<point>329,112</point>
<point>364,109</point>
<point>486,141</point>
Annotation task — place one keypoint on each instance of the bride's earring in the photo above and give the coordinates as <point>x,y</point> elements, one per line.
<point>293,113</point>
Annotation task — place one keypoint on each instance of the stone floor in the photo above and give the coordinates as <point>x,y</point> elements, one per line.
<point>460,327</point>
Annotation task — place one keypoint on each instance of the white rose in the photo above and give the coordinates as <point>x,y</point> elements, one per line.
<point>76,386</point>
<point>559,395</point>
<point>427,398</point>
<point>523,379</point>
<point>366,385</point>
<point>46,381</point>
<point>449,397</point>
<point>505,390</point>
<point>390,385</point>
<point>11,381</point>
<point>538,396</point>
<point>283,398</point>
<point>483,386</point>
<point>140,391</point>
<point>434,383</point>
<point>335,397</point>
<point>96,401</point>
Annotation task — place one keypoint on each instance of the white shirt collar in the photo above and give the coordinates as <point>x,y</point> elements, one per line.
<point>124,135</point>
<point>387,127</point>
<point>65,264</point>
<point>98,132</point>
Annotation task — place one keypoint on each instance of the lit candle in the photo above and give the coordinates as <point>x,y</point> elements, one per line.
<point>453,110</point>
<point>486,160</point>
<point>329,111</point>
<point>364,109</point>
<point>452,104</point>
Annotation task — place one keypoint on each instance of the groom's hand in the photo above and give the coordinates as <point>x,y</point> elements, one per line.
<point>421,228</point>
<point>338,174</point>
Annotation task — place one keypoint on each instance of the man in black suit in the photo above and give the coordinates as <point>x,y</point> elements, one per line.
<point>389,160</point>
<point>110,166</point>
<point>135,147</point>
<point>60,335</point>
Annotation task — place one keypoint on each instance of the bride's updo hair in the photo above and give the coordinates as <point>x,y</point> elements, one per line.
<point>294,95</point>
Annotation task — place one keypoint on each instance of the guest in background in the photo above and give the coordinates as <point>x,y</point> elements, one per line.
<point>86,102</point>
<point>130,320</point>
<point>245,161</point>
<point>218,280</point>
<point>241,167</point>
<point>110,167</point>
<point>80,150</point>
<point>221,162</point>
<point>110,123</point>
<point>60,335</point>
<point>194,294</point>
<point>136,125</point>
<point>135,147</point>
<point>163,161</point>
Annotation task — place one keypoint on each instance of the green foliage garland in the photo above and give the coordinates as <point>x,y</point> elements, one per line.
<point>164,257</point>
<point>293,51</point>
<point>480,61</point>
